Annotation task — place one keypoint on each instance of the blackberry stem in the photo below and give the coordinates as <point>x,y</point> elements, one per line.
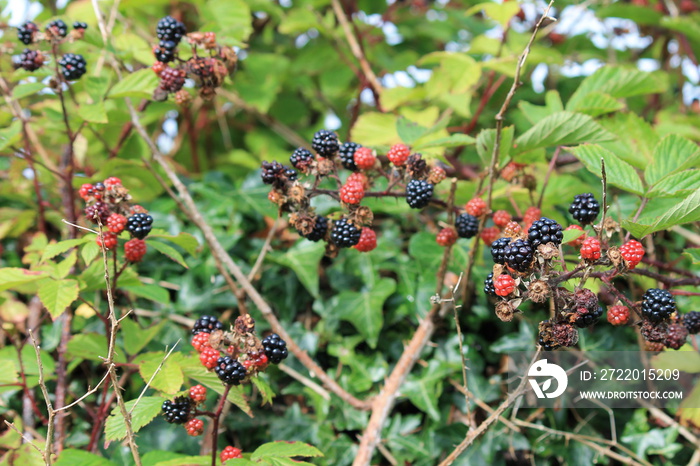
<point>215,430</point>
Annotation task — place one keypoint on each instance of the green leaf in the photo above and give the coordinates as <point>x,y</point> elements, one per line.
<point>535,113</point>
<point>693,254</point>
<point>57,295</point>
<point>169,378</point>
<point>619,173</point>
<point>685,360</point>
<point>501,12</point>
<point>94,113</point>
<point>140,83</point>
<point>192,368</point>
<point>376,129</point>
<point>89,251</point>
<point>188,461</point>
<point>424,390</point>
<point>91,346</point>
<point>150,292</point>
<point>54,249</point>
<point>570,235</point>
<point>96,86</point>
<point>409,131</point>
<point>618,82</point>
<point>169,251</point>
<point>688,411</point>
<point>148,408</point>
<point>264,388</point>
<point>454,140</point>
<point>11,277</point>
<point>559,129</point>
<point>596,104</point>
<point>486,139</point>
<point>136,338</point>
<point>229,19</point>
<point>10,135</point>
<point>185,240</point>
<point>71,457</point>
<point>671,155</point>
<point>677,185</point>
<point>24,90</point>
<point>365,309</point>
<point>8,373</point>
<point>285,450</point>
<point>686,211</point>
<point>303,258</point>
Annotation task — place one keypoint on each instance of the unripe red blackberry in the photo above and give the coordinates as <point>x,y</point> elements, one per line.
<point>489,235</point>
<point>501,218</point>
<point>177,411</point>
<point>194,427</point>
<point>504,285</point>
<point>109,240</point>
<point>30,60</point>
<point>358,177</point>
<point>398,154</point>
<point>544,231</point>
<point>446,237</point>
<point>512,229</point>
<point>476,207</point>
<point>590,248</point>
<point>158,67</point>
<point>134,250</point>
<point>325,143</point>
<point>200,341</point>
<point>346,154</point>
<point>352,193</point>
<point>345,234</point>
<point>230,371</point>
<point>691,321</point>
<point>531,215</point>
<point>618,315</point>
<point>73,66</point>
<point>116,223</point>
<point>632,251</point>
<point>26,32</point>
<point>209,357</point>
<point>658,305</point>
<point>418,193</point>
<point>368,240</point>
<point>230,453</point>
<point>364,158</point>
<point>172,80</point>
<point>436,175</point>
<point>467,225</point>
<point>509,171</point>
<point>112,182</point>
<point>578,241</point>
<point>86,191</point>
<point>585,208</point>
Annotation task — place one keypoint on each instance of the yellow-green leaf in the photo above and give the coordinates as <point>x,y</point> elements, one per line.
<point>57,295</point>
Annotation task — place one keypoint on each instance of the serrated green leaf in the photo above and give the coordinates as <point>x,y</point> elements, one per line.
<point>230,20</point>
<point>688,411</point>
<point>596,104</point>
<point>94,113</point>
<point>618,82</point>
<point>454,140</point>
<point>169,251</point>
<point>486,139</point>
<point>285,450</point>
<point>192,368</point>
<point>501,12</point>
<point>303,258</point>
<point>409,131</point>
<point>93,347</point>
<point>54,249</point>
<point>140,83</point>
<point>693,254</point>
<point>57,295</point>
<point>96,86</point>
<point>619,173</point>
<point>671,155</point>
<point>570,235</point>
<point>364,309</point>
<point>376,129</point>
<point>24,90</point>
<point>686,211</point>
<point>685,360</point>
<point>169,378</point>
<point>561,129</point>
<point>72,457</point>
<point>535,113</point>
<point>148,408</point>
<point>136,338</point>
<point>11,277</point>
<point>676,185</point>
<point>150,292</point>
<point>89,251</point>
<point>185,240</point>
<point>264,388</point>
<point>188,461</point>
<point>10,135</point>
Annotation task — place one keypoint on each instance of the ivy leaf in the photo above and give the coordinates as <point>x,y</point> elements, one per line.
<point>57,295</point>
<point>285,450</point>
<point>147,409</point>
<point>562,128</point>
<point>619,173</point>
<point>169,251</point>
<point>303,258</point>
<point>72,457</point>
<point>364,309</point>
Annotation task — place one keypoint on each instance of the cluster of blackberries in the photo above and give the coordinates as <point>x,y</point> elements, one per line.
<point>73,66</point>
<point>206,324</point>
<point>177,411</point>
<point>170,32</point>
<point>30,60</point>
<point>139,225</point>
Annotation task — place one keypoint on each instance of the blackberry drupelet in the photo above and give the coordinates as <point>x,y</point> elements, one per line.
<point>585,208</point>
<point>300,158</point>
<point>25,33</point>
<point>418,194</point>
<point>347,155</point>
<point>230,371</point>
<point>58,28</point>
<point>170,29</point>
<point>97,210</point>
<point>206,324</point>
<point>488,285</point>
<point>177,411</point>
<point>30,60</point>
<point>498,250</point>
<point>519,255</point>
<point>79,25</point>
<point>73,66</point>
<point>657,305</point>
<point>325,143</point>
<point>467,225</point>
<point>345,234</point>
<point>275,348</point>
<point>319,230</point>
<point>543,231</point>
<point>290,173</point>
<point>139,225</point>
<point>692,322</point>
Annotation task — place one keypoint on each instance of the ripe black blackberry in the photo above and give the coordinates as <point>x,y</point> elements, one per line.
<point>206,324</point>
<point>325,143</point>
<point>271,171</point>
<point>519,255</point>
<point>657,305</point>
<point>543,231</point>
<point>230,371</point>
<point>79,25</point>
<point>301,158</point>
<point>275,348</point>
<point>489,289</point>
<point>319,230</point>
<point>418,194</point>
<point>177,411</point>
<point>30,60</point>
<point>498,250</point>
<point>97,210</point>
<point>585,208</point>
<point>165,51</point>
<point>345,234</point>
<point>25,33</point>
<point>692,322</point>
<point>172,80</point>
<point>346,153</point>
<point>57,28</point>
<point>467,225</point>
<point>170,29</point>
<point>73,66</point>
<point>588,317</point>
<point>139,225</point>
<point>290,174</point>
